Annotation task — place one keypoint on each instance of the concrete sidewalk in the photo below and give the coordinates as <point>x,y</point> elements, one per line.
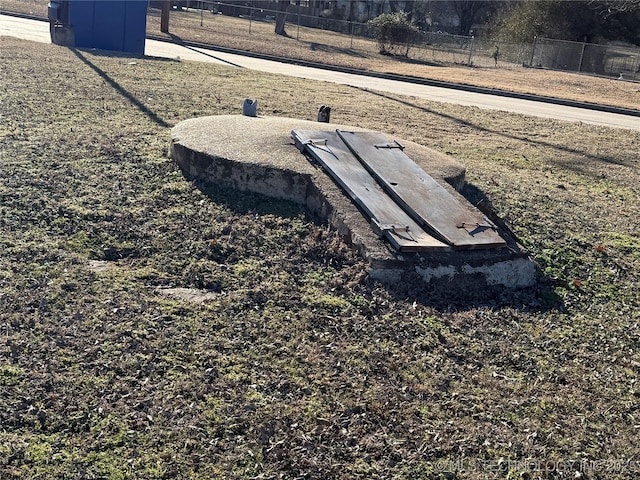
<point>39,31</point>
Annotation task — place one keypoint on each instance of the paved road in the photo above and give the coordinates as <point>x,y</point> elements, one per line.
<point>39,31</point>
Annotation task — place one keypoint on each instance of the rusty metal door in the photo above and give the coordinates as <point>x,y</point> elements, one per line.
<point>386,216</point>
<point>424,199</point>
<point>404,203</point>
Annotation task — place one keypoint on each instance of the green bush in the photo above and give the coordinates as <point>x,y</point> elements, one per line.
<point>394,32</point>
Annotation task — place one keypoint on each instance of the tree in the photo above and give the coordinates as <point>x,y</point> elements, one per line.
<point>606,8</point>
<point>164,16</point>
<point>409,5</point>
<point>281,16</point>
<point>467,12</point>
<point>454,16</point>
<point>589,20</point>
<point>394,33</point>
<point>619,19</point>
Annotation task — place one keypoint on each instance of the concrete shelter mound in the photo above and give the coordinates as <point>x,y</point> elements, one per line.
<point>257,154</point>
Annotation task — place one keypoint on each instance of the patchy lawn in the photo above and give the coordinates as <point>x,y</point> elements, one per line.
<point>283,360</point>
<point>331,48</point>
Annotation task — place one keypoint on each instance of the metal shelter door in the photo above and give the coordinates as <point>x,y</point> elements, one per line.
<point>419,195</point>
<point>404,203</point>
<point>386,216</point>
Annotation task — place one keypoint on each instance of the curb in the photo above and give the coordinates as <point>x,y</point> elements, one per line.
<point>23,15</point>
<point>409,79</point>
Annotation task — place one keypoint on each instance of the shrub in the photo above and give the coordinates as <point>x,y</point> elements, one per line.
<point>394,32</point>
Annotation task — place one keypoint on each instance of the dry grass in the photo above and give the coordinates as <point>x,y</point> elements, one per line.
<point>335,49</point>
<point>300,367</point>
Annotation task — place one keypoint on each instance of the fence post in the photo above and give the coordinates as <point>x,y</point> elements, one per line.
<point>584,44</point>
<point>298,32</point>
<point>201,10</point>
<point>351,44</point>
<point>469,63</point>
<point>533,50</point>
<point>250,16</point>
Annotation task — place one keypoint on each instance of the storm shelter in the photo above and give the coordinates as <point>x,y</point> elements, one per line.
<point>404,203</point>
<point>396,202</point>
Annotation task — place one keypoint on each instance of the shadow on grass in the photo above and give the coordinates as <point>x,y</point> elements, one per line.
<point>445,296</point>
<point>246,202</point>
<point>499,133</point>
<point>219,59</point>
<point>121,90</point>
<point>411,61</point>
<point>537,299</point>
<point>321,47</point>
<point>180,41</point>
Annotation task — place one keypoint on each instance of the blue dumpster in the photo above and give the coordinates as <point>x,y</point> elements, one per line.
<point>104,24</point>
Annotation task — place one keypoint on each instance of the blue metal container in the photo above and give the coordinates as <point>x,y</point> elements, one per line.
<point>103,24</point>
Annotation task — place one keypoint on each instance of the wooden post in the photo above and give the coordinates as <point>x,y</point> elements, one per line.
<point>164,16</point>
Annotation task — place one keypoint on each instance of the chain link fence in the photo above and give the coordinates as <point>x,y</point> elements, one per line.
<point>609,60</point>
<point>617,61</point>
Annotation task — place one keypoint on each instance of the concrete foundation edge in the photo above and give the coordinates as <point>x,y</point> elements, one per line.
<point>476,270</point>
